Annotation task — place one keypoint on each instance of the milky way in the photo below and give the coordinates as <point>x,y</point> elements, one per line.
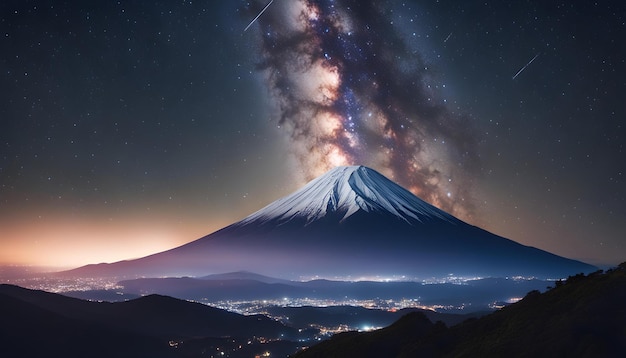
<point>350,90</point>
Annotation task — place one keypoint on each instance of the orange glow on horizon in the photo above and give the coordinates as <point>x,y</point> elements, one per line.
<point>68,242</point>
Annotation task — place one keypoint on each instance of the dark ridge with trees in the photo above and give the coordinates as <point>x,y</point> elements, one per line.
<point>584,316</point>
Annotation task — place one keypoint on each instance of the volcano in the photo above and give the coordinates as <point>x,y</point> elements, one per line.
<point>351,222</point>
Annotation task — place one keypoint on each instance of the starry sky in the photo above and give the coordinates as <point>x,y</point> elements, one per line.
<point>131,127</point>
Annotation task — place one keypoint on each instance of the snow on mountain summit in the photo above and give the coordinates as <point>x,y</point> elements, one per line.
<point>346,190</point>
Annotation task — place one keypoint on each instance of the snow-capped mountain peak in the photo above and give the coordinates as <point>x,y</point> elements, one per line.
<point>350,222</point>
<point>345,191</point>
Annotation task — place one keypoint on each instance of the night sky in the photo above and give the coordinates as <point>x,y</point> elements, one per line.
<point>131,127</point>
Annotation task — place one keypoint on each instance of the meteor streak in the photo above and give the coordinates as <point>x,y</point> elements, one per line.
<point>523,68</point>
<point>259,15</point>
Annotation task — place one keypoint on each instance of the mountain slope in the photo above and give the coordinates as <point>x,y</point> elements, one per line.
<point>352,221</point>
<point>583,317</point>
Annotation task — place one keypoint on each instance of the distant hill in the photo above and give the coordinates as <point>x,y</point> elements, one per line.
<point>474,295</point>
<point>244,275</point>
<point>582,317</point>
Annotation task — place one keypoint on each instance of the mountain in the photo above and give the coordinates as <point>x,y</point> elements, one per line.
<point>583,317</point>
<point>351,222</point>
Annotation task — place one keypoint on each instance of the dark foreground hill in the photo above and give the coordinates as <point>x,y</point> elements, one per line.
<point>38,324</point>
<point>583,317</point>
<point>31,331</point>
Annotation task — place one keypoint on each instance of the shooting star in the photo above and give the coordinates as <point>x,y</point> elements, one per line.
<point>523,68</point>
<point>259,15</point>
<point>447,38</point>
